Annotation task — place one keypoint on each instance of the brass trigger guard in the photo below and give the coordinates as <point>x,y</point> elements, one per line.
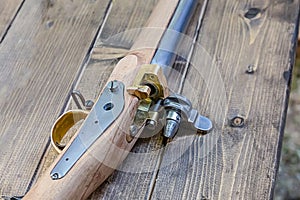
<point>63,124</point>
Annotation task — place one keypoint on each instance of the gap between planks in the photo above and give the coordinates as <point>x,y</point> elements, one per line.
<point>88,55</point>
<point>67,103</point>
<point>11,22</point>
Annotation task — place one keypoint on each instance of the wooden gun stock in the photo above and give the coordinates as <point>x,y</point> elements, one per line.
<point>89,172</point>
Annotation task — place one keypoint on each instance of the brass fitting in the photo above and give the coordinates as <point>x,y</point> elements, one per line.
<point>150,82</point>
<point>150,86</point>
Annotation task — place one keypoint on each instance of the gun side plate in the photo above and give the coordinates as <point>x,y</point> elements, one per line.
<point>106,110</point>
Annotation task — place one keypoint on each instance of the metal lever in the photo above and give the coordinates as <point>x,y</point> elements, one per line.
<point>178,108</point>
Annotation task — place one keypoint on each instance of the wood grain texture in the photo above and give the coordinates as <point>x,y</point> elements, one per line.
<point>8,11</point>
<point>40,58</point>
<point>252,46</point>
<point>229,163</point>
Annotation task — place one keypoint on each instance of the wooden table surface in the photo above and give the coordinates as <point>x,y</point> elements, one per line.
<point>50,47</point>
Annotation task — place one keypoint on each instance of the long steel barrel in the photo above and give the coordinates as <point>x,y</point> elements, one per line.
<point>166,52</point>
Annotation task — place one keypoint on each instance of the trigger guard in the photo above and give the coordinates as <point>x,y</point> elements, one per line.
<point>63,124</point>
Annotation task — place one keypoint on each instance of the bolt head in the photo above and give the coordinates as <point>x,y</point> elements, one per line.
<point>250,69</point>
<point>151,125</point>
<point>113,86</point>
<point>54,176</point>
<point>237,121</point>
<point>89,104</point>
<point>133,130</point>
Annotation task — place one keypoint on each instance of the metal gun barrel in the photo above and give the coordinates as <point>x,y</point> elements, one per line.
<point>166,52</point>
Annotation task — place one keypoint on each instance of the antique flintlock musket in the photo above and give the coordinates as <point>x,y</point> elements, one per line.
<point>136,96</point>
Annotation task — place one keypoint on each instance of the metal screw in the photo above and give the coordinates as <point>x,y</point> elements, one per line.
<point>151,125</point>
<point>133,130</point>
<point>54,176</point>
<point>89,104</point>
<point>250,69</point>
<point>237,121</point>
<point>166,101</point>
<point>113,86</point>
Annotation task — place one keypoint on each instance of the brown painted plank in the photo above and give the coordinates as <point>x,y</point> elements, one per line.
<point>40,58</point>
<point>8,11</point>
<point>252,44</point>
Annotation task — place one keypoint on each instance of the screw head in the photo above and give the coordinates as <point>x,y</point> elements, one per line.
<point>89,104</point>
<point>133,130</point>
<point>237,121</point>
<point>250,69</point>
<point>54,176</point>
<point>151,125</point>
<point>113,86</point>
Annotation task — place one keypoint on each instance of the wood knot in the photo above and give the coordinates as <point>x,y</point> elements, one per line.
<point>252,13</point>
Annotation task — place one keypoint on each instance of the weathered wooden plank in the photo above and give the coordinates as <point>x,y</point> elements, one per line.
<point>40,58</point>
<point>252,47</point>
<point>8,11</point>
